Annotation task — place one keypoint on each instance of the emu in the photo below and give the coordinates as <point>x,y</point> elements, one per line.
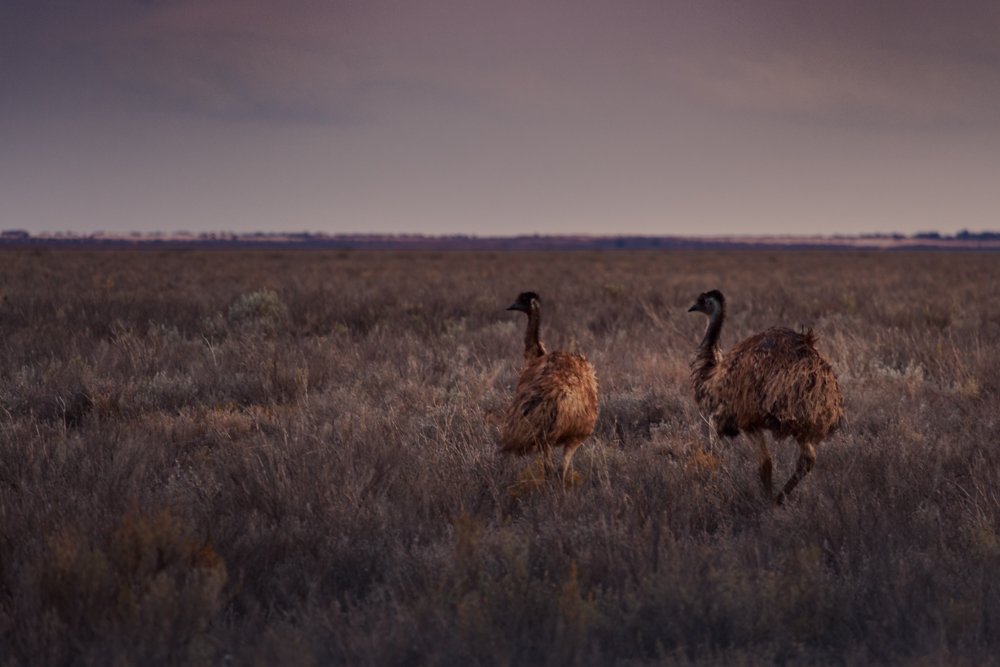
<point>555,402</point>
<point>773,381</point>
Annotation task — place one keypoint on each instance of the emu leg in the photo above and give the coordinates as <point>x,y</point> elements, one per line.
<point>568,451</point>
<point>807,457</point>
<point>547,464</point>
<point>764,459</point>
<point>709,433</point>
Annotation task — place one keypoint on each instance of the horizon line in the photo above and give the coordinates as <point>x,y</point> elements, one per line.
<point>184,234</point>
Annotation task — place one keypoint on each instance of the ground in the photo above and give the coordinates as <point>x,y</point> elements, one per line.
<point>290,458</point>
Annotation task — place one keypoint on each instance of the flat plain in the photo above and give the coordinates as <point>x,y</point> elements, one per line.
<point>266,457</point>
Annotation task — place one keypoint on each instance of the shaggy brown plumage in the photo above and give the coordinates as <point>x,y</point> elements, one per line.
<point>773,381</point>
<point>555,403</point>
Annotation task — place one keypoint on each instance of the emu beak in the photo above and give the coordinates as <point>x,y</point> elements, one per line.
<point>693,309</point>
<point>512,306</point>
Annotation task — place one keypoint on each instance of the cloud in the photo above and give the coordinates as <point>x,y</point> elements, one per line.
<point>233,59</point>
<point>877,88</point>
<point>912,63</point>
<point>297,60</point>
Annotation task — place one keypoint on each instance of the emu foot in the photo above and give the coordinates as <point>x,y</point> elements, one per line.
<point>572,479</point>
<point>530,479</point>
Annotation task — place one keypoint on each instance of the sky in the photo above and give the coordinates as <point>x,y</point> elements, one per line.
<point>656,117</point>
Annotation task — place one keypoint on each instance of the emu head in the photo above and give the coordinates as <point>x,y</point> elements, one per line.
<point>709,303</point>
<point>526,302</point>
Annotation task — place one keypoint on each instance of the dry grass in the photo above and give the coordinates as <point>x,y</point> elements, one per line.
<point>290,459</point>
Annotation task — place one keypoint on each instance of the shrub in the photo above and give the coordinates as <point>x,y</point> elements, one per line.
<point>262,309</point>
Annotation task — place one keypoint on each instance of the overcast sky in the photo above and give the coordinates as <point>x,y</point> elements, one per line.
<point>452,116</point>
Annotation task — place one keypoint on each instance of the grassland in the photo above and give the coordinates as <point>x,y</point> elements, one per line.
<point>289,458</point>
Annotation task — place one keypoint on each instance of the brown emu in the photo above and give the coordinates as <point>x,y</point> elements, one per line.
<point>773,381</point>
<point>555,403</point>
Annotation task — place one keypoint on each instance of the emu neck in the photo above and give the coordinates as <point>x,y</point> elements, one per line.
<point>709,354</point>
<point>710,342</point>
<point>533,347</point>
